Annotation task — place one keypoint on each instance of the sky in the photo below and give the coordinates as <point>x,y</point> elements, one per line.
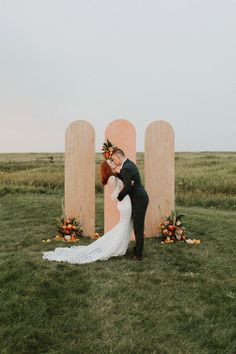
<point>101,60</point>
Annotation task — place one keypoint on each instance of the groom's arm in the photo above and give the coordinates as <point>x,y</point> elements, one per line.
<point>127,180</point>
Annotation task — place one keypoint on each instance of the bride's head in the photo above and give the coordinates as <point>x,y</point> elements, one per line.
<point>107,169</point>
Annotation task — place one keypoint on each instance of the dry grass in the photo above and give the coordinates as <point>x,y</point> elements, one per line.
<point>202,179</point>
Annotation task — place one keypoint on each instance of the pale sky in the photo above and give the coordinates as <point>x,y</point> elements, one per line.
<point>100,60</point>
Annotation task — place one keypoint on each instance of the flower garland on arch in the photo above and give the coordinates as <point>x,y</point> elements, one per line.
<point>107,149</point>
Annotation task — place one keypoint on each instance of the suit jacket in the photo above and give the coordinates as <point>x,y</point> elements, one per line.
<point>129,173</point>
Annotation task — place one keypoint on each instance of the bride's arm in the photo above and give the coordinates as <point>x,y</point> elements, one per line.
<point>113,187</point>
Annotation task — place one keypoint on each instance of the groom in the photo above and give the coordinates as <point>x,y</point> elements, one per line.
<point>130,176</point>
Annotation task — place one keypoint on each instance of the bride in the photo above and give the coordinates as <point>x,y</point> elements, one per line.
<point>115,242</point>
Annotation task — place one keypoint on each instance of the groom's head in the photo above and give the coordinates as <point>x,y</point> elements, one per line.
<point>118,156</point>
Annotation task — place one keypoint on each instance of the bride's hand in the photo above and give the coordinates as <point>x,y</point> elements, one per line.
<point>117,169</point>
<point>132,182</point>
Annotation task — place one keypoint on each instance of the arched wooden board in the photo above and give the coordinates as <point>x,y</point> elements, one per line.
<point>122,134</point>
<point>159,174</point>
<point>80,174</point>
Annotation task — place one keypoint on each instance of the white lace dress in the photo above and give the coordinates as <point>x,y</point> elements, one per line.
<point>112,244</point>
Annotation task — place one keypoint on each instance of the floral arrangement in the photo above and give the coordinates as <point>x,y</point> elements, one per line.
<point>96,235</point>
<point>69,230</point>
<point>108,149</point>
<point>173,229</point>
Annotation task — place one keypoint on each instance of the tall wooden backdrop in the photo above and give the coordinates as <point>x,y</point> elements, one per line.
<point>122,134</point>
<point>159,174</point>
<point>80,174</point>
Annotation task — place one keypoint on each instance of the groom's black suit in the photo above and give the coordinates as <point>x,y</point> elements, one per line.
<point>139,200</point>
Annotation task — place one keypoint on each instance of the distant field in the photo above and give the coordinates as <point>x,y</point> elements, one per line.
<point>206,179</point>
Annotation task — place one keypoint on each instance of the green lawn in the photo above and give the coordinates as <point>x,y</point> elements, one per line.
<point>179,299</point>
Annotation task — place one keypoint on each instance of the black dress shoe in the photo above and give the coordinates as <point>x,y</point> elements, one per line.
<point>137,258</point>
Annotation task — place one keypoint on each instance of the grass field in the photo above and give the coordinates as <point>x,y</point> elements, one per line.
<point>179,300</point>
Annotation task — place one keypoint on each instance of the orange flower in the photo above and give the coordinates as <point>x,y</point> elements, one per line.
<point>197,242</point>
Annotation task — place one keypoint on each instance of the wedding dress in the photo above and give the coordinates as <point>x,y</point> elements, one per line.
<point>112,244</point>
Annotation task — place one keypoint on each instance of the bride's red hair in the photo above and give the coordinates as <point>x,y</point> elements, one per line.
<point>105,172</point>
